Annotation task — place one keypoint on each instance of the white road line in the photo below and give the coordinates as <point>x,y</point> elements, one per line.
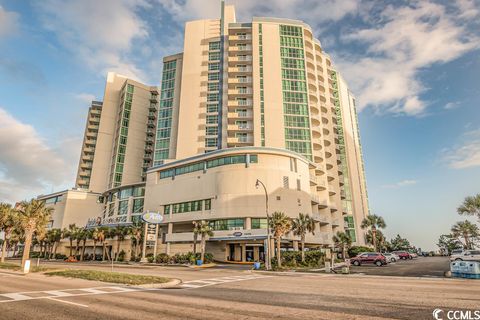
<point>59,293</point>
<point>69,302</point>
<point>192,284</point>
<point>16,296</point>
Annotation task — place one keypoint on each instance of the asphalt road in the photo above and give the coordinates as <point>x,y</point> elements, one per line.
<point>419,267</point>
<point>235,294</point>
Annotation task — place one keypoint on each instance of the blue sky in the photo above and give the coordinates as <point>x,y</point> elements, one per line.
<point>414,67</point>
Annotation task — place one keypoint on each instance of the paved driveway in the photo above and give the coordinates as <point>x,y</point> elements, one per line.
<point>420,267</point>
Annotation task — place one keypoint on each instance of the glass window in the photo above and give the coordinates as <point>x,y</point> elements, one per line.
<point>213,76</point>
<point>137,205</point>
<point>166,209</point>
<point>215,45</point>
<point>213,66</point>
<point>259,223</point>
<point>125,193</point>
<point>123,207</point>
<point>208,204</point>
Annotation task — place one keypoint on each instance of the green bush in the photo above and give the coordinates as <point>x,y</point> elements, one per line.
<point>121,256</point>
<point>162,258</point>
<point>355,250</point>
<point>293,259</point>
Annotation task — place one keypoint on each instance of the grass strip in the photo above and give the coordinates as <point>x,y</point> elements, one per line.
<point>10,266</point>
<point>113,277</point>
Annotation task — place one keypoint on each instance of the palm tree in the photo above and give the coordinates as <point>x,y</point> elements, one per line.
<point>95,236</point>
<point>373,222</point>
<point>33,216</point>
<point>300,226</point>
<point>70,234</point>
<point>379,238</point>
<point>467,231</point>
<point>342,240</point>
<point>280,224</point>
<point>203,230</point>
<point>8,222</point>
<point>102,235</point>
<point>55,235</point>
<point>119,232</point>
<point>84,236</point>
<point>470,206</point>
<point>135,232</point>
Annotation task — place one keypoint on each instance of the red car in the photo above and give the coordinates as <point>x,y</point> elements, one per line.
<point>375,258</point>
<point>403,254</point>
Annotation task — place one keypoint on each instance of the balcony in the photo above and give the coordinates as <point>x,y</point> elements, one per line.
<point>239,80</point>
<point>322,204</point>
<point>314,198</point>
<point>236,127</point>
<point>313,180</point>
<point>151,124</point>
<point>335,223</point>
<point>326,238</point>
<point>239,140</point>
<point>150,132</point>
<point>234,49</point>
<point>237,38</point>
<point>237,92</point>
<point>240,69</point>
<point>321,185</point>
<point>240,115</point>
<point>240,103</point>
<point>236,59</point>
<point>323,220</point>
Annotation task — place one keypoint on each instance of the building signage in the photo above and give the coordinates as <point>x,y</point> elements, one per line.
<point>237,234</point>
<point>152,217</point>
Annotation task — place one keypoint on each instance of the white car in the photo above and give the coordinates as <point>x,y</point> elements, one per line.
<point>391,257</point>
<point>467,255</point>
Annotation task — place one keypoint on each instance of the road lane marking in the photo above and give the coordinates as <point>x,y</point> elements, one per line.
<point>69,302</point>
<point>193,284</point>
<point>16,296</point>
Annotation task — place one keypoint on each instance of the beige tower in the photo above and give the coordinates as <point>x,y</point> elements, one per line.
<point>120,135</point>
<point>268,83</point>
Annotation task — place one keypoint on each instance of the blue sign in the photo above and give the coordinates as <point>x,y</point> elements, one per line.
<point>152,217</point>
<point>237,234</point>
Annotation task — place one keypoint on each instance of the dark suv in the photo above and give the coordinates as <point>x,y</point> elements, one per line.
<point>375,258</point>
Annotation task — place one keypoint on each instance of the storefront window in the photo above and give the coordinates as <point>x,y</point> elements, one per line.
<point>259,223</point>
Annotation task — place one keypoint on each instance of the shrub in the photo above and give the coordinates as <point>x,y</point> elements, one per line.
<point>121,255</point>
<point>292,259</point>
<point>162,258</point>
<point>60,256</point>
<point>355,250</point>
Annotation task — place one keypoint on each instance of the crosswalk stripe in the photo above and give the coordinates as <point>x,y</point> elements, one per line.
<point>16,296</point>
<point>58,293</point>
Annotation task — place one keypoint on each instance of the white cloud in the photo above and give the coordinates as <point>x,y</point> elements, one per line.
<point>311,11</point>
<point>28,165</point>
<point>466,154</point>
<point>85,97</point>
<point>401,43</point>
<point>8,22</point>
<point>101,34</point>
<point>400,184</point>
<point>452,105</point>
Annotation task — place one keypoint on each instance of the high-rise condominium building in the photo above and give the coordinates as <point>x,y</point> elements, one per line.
<point>243,102</point>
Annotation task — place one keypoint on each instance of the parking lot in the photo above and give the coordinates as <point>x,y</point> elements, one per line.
<point>419,267</point>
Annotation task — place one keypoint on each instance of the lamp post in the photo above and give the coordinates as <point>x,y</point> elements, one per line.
<point>267,260</point>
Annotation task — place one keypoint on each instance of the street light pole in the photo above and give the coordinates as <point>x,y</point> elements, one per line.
<point>268,255</point>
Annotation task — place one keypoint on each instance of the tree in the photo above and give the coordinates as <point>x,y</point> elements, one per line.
<point>373,223</point>
<point>102,235</point>
<point>85,234</point>
<point>343,241</point>
<point>203,230</point>
<point>70,233</point>
<point>470,206</point>
<point>448,242</point>
<point>302,225</point>
<point>8,222</point>
<point>33,216</point>
<point>398,243</point>
<point>280,224</point>
<point>119,232</point>
<point>54,236</point>
<point>466,230</point>
<point>379,240</point>
<point>136,232</point>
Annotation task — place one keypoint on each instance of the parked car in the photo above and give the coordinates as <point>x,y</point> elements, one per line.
<point>403,254</point>
<point>456,252</point>
<point>391,257</point>
<point>467,255</point>
<point>413,255</point>
<point>369,258</point>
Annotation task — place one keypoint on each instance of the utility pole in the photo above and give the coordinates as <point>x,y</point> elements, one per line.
<point>268,260</point>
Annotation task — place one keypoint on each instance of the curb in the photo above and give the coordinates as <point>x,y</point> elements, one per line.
<point>203,266</point>
<point>170,284</point>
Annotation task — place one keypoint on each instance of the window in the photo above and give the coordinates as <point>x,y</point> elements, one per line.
<point>242,137</point>
<point>208,204</point>
<point>213,76</point>
<point>253,158</point>
<point>213,66</point>
<point>213,56</point>
<point>212,119</point>
<point>214,45</point>
<point>293,121</point>
<point>212,97</point>
<point>242,124</point>
<point>187,206</point>
<point>227,224</point>
<point>211,142</point>
<point>212,108</point>
<point>125,193</point>
<point>211,131</point>
<point>299,186</point>
<point>285,182</point>
<point>213,86</point>
<point>123,207</point>
<point>259,223</point>
<point>166,209</point>
<point>137,205</point>
<point>226,160</point>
